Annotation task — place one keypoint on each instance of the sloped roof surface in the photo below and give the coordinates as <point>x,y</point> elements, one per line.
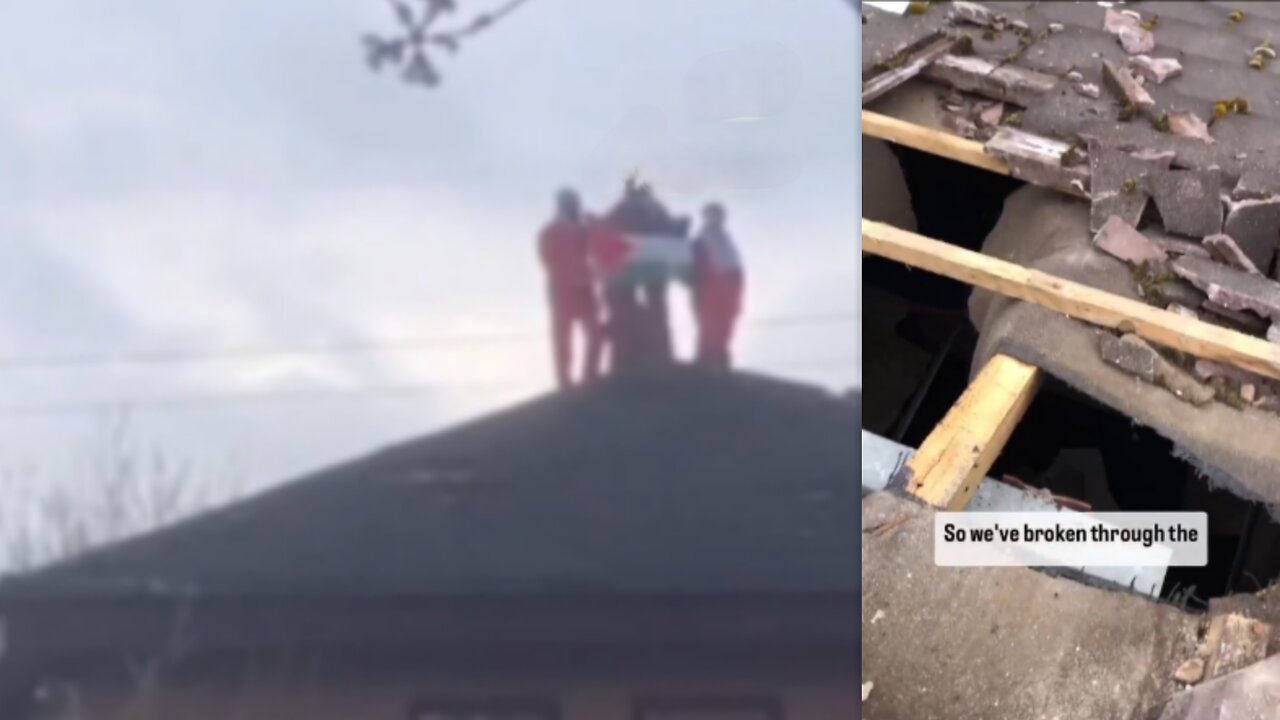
<point>684,483</point>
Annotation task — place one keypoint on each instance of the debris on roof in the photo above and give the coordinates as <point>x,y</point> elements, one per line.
<point>1137,357</point>
<point>1118,183</point>
<point>1118,239</point>
<point>1184,123</point>
<point>1225,250</point>
<point>1248,693</point>
<point>1189,201</point>
<point>1175,245</point>
<point>1037,160</point>
<point>1231,288</point>
<point>1255,227</point>
<point>1129,30</point>
<point>1156,70</point>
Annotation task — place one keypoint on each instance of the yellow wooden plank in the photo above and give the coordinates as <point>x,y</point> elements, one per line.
<point>934,142</point>
<point>956,456</point>
<point>1099,307</point>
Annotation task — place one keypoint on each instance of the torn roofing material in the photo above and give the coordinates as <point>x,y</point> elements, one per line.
<point>1199,67</point>
<point>1050,233</point>
<point>682,483</point>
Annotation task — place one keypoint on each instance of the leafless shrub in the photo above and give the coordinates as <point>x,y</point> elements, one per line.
<point>125,486</point>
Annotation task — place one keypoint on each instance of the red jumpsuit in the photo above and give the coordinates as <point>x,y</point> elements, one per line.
<point>562,246</point>
<point>718,285</point>
<point>610,250</point>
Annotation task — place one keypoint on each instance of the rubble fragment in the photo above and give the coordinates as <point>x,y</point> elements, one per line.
<point>1248,392</point>
<point>1128,29</point>
<point>1255,227</point>
<point>1209,369</point>
<point>1118,239</point>
<point>960,125</point>
<point>1260,182</point>
<point>1157,70</point>
<point>1225,250</point>
<point>1131,354</point>
<point>1074,76</point>
<point>1234,642</point>
<point>1273,333</point>
<point>907,64</point>
<point>970,73</point>
<point>1182,385</point>
<point>1183,310</point>
<point>1117,183</point>
<point>1187,124</point>
<point>972,12</point>
<point>1175,245</point>
<point>1241,320</point>
<point>991,116</point>
<point>1189,201</point>
<point>1231,288</point>
<point>1036,159</point>
<point>1123,83</point>
<point>1136,357</point>
<point>1089,90</point>
<point>1249,693</point>
<point>1056,27</point>
<point>1190,672</point>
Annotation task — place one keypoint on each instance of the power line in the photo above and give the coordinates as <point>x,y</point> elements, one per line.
<point>342,347</point>
<point>392,391</point>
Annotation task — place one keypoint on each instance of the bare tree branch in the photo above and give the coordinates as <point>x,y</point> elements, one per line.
<point>408,48</point>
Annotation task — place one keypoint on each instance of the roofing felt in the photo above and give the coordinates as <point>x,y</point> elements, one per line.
<point>1214,52</point>
<point>681,483</point>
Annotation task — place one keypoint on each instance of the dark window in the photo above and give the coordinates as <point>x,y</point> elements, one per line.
<point>485,708</point>
<point>734,707</point>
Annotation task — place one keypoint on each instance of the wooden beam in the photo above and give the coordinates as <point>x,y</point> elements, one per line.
<point>956,456</point>
<point>1073,299</point>
<point>934,142</point>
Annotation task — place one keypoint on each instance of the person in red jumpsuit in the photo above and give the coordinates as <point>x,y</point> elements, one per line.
<point>571,291</point>
<point>718,286</point>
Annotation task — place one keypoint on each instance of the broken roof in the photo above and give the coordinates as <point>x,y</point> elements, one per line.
<point>684,483</point>
<point>1213,49</point>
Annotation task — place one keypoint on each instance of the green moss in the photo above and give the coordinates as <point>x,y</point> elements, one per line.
<point>1151,277</point>
<point>1227,392</point>
<point>1072,156</point>
<point>918,8</point>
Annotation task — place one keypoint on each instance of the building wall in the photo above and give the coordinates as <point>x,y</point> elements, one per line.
<point>264,695</point>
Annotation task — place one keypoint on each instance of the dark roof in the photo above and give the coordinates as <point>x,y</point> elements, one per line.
<point>684,483</point>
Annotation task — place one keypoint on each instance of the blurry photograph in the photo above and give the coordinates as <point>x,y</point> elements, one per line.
<point>428,359</point>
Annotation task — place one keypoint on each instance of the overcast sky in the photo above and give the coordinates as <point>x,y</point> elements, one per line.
<point>183,177</point>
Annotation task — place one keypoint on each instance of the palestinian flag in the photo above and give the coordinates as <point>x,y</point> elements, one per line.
<point>638,256</point>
